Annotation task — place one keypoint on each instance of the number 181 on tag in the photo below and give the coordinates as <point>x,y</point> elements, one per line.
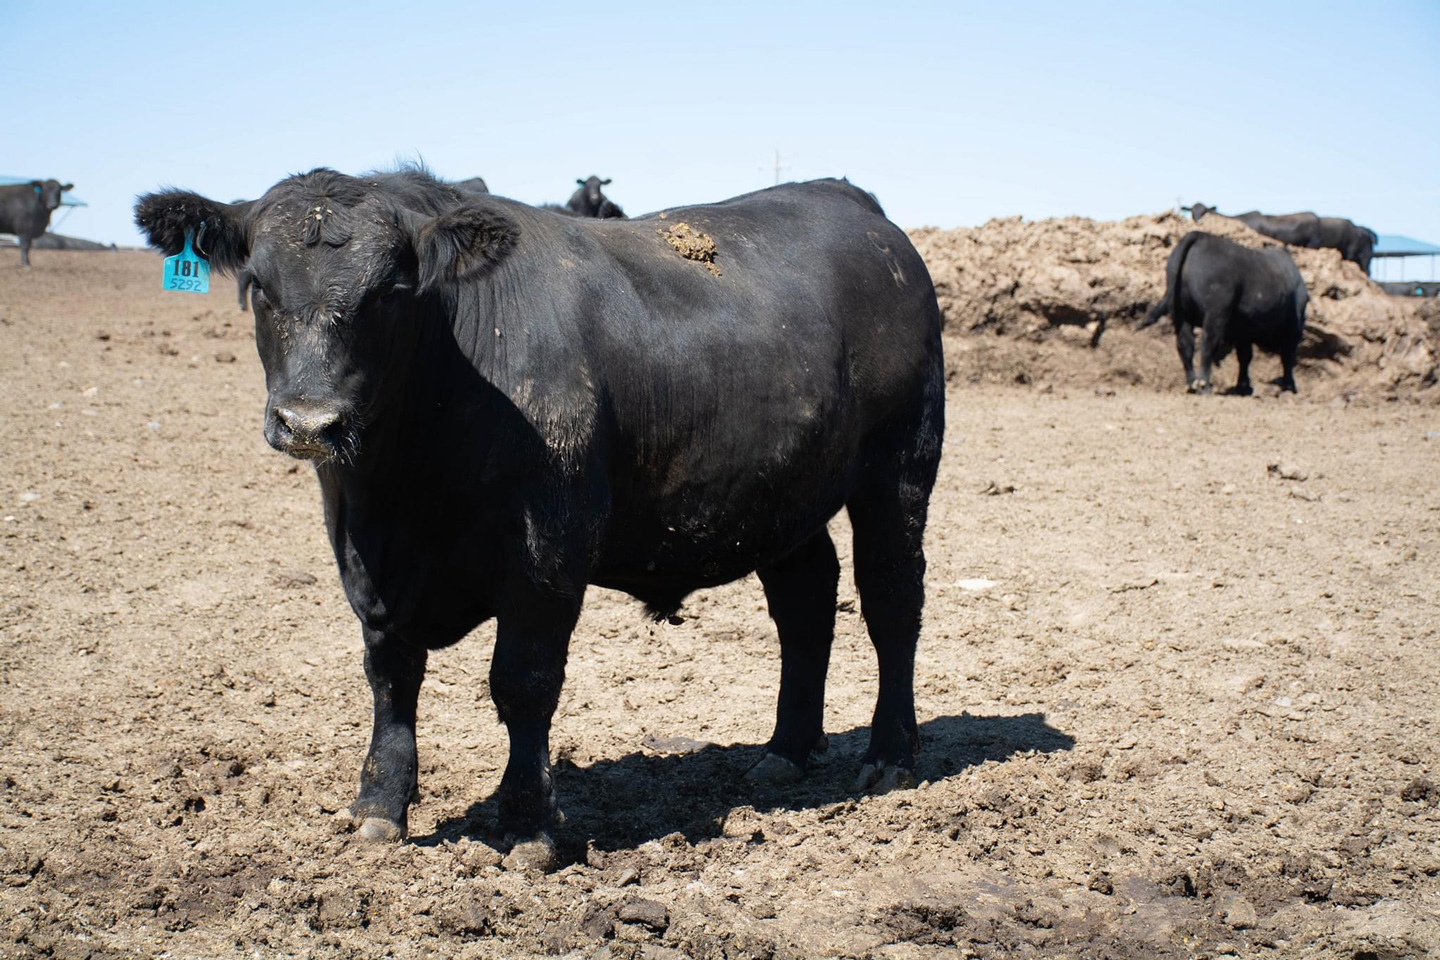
<point>186,271</point>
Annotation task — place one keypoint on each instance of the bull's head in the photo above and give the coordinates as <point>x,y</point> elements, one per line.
<point>339,268</point>
<point>49,192</point>
<point>592,187</point>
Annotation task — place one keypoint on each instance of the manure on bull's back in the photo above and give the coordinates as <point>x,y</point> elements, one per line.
<point>692,244</point>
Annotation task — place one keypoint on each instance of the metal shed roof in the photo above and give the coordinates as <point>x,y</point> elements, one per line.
<point>1394,245</point>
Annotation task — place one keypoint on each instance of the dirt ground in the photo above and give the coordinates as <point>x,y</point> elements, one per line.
<point>1174,703</point>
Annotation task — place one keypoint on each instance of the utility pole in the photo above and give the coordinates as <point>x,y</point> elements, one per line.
<point>776,166</point>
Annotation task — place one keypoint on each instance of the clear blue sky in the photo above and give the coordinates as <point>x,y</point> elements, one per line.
<point>951,113</point>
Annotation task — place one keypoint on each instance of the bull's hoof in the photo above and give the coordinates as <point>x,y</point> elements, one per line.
<point>380,830</point>
<point>1241,390</point>
<point>1200,386</point>
<point>877,777</point>
<point>535,855</point>
<point>774,769</point>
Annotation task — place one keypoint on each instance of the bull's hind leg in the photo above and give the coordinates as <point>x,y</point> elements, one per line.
<point>1185,346</point>
<point>888,517</point>
<point>1243,354</point>
<point>1212,350</point>
<point>1287,358</point>
<point>389,778</point>
<point>800,590</point>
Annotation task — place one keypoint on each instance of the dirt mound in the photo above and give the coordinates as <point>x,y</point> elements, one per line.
<point>1059,280</point>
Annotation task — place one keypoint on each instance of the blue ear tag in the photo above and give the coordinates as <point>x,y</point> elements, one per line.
<point>187,270</point>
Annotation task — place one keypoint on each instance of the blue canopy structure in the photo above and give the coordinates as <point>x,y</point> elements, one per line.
<point>1393,264</point>
<point>1394,245</point>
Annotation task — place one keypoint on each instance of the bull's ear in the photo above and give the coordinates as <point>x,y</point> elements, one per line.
<point>580,180</point>
<point>68,186</point>
<point>165,216</point>
<point>37,185</point>
<point>461,244</point>
<point>605,182</point>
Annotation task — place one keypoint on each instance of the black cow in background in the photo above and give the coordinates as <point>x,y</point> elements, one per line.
<point>1355,243</point>
<point>493,433</point>
<point>1239,298</point>
<point>25,210</point>
<point>1296,229</point>
<point>590,201</point>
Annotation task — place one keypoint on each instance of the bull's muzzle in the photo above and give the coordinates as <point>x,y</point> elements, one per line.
<point>306,431</point>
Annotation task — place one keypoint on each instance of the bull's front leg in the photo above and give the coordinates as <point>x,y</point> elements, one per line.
<point>526,673</point>
<point>389,778</point>
<point>24,251</point>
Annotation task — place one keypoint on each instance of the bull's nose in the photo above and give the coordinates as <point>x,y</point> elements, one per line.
<point>307,423</point>
<point>310,433</point>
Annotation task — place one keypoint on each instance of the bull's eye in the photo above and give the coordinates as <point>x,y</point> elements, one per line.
<point>394,293</point>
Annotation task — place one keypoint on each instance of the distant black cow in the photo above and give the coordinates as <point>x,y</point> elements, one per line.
<point>1239,298</point>
<point>1355,243</point>
<point>590,201</point>
<point>1296,229</point>
<point>25,210</point>
<point>505,405</point>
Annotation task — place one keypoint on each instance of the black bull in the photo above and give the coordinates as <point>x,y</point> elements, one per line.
<point>590,200</point>
<point>25,210</point>
<point>1240,298</point>
<point>505,405</point>
<point>1355,243</point>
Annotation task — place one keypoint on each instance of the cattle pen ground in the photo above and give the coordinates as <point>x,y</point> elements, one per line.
<point>1174,702</point>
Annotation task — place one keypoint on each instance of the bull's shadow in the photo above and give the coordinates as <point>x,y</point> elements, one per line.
<point>619,804</point>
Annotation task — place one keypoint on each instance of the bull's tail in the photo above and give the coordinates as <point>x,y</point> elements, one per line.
<point>1156,312</point>
<point>1173,271</point>
<point>1301,298</point>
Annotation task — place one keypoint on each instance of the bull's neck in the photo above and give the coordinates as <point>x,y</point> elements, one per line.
<point>422,422</point>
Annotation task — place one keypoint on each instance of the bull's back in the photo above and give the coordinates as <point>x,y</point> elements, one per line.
<point>808,280</point>
<point>741,398</point>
